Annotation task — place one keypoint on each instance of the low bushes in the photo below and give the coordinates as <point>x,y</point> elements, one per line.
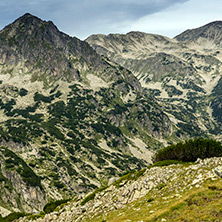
<point>11,217</point>
<point>51,206</point>
<point>190,150</point>
<point>92,195</point>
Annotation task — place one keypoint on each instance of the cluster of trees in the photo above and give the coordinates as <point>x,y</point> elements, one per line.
<point>190,150</point>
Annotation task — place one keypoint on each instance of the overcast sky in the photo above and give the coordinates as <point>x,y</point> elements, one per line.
<point>82,18</point>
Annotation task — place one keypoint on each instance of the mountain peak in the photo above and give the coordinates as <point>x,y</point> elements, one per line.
<point>27,15</point>
<point>211,31</point>
<point>215,23</point>
<point>28,18</point>
<point>27,22</point>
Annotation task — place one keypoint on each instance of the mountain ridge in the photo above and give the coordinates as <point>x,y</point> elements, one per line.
<point>73,117</point>
<point>171,70</point>
<point>210,31</point>
<point>70,118</point>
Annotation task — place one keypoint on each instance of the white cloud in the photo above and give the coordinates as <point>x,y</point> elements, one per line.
<point>179,17</point>
<point>84,17</point>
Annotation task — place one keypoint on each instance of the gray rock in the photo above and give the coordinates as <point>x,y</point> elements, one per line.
<point>218,171</point>
<point>112,180</point>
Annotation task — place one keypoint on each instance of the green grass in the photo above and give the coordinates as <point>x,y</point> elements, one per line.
<point>202,205</point>
<point>13,216</point>
<point>134,175</point>
<point>92,195</point>
<point>168,162</point>
<point>196,204</point>
<point>51,206</point>
<point>36,216</point>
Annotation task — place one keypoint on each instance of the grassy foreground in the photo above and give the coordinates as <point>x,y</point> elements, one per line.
<point>198,204</point>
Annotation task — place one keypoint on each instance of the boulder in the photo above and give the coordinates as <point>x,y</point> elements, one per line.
<point>218,171</point>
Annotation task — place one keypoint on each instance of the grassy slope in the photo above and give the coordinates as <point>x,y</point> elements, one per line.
<point>197,204</point>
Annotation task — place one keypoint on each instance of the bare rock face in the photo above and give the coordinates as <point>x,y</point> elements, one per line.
<point>21,188</point>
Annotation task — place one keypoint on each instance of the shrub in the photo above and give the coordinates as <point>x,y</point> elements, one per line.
<point>51,206</point>
<point>39,97</point>
<point>92,195</point>
<point>23,92</point>
<point>190,151</point>
<point>13,216</point>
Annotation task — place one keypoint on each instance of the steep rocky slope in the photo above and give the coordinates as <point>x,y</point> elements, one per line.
<point>210,33</point>
<point>70,119</point>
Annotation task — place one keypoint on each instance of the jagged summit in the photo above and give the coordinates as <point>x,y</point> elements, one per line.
<point>211,31</point>
<point>44,48</point>
<point>28,16</point>
<point>29,27</point>
<point>28,21</point>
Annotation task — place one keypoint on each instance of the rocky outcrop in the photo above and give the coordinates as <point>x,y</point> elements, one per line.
<point>218,171</point>
<point>20,187</point>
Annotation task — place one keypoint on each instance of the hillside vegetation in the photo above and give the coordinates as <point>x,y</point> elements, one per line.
<point>190,150</point>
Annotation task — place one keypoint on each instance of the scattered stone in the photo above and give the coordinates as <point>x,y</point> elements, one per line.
<point>112,180</point>
<point>218,171</point>
<point>176,179</point>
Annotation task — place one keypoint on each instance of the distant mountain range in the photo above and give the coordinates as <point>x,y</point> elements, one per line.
<point>74,114</point>
<point>183,73</point>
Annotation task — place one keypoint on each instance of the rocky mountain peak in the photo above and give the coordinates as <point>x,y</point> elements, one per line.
<point>30,28</point>
<point>211,31</point>
<point>41,45</point>
<point>27,18</point>
<point>30,20</point>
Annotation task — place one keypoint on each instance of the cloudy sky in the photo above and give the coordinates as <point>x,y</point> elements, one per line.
<point>82,18</point>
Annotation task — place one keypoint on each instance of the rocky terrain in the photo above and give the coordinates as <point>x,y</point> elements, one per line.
<point>70,119</point>
<point>183,73</point>
<point>72,115</point>
<point>155,189</point>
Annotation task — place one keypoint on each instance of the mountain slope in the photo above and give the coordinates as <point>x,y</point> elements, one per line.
<point>211,32</point>
<point>73,120</point>
<point>70,119</point>
<point>182,75</point>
